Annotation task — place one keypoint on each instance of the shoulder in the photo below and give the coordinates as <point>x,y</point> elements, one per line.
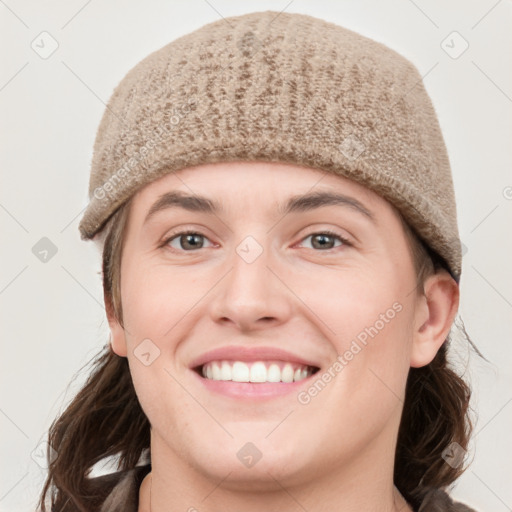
<point>121,489</point>
<point>438,500</point>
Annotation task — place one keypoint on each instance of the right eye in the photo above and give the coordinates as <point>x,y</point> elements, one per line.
<point>184,240</point>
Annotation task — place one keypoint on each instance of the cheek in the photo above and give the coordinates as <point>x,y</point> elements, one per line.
<point>155,300</point>
<point>356,304</point>
<point>157,306</point>
<point>378,320</point>
<point>370,327</point>
<point>376,358</point>
<point>360,395</point>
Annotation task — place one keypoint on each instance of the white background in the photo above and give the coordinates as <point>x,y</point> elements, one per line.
<point>53,318</point>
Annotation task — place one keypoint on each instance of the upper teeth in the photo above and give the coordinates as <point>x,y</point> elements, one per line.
<point>257,371</point>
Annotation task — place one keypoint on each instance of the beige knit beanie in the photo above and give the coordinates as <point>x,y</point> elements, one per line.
<point>279,87</point>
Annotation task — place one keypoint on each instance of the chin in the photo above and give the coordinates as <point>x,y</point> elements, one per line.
<point>247,466</point>
<point>265,476</point>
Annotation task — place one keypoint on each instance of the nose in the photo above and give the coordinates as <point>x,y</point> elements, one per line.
<point>252,296</point>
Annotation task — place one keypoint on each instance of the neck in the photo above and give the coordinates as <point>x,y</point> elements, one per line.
<point>352,488</point>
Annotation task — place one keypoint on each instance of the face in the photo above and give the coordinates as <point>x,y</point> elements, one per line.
<point>324,286</point>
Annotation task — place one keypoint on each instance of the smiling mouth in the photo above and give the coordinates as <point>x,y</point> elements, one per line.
<point>255,371</point>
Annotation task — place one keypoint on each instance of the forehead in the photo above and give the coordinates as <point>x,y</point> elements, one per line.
<point>253,184</point>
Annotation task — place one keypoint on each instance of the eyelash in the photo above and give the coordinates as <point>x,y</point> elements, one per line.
<point>194,232</point>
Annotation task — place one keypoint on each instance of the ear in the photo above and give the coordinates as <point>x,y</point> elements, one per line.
<point>117,337</point>
<point>435,311</point>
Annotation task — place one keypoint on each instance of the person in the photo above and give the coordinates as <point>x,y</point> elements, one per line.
<point>281,262</point>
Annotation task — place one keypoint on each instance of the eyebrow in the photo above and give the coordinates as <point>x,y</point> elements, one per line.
<point>298,203</point>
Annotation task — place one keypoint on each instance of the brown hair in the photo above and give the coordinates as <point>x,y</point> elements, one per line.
<point>105,418</point>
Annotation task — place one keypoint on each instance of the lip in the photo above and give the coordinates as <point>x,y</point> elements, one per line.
<point>251,390</point>
<point>250,354</point>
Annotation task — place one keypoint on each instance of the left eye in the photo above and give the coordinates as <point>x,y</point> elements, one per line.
<point>188,240</point>
<point>324,240</point>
